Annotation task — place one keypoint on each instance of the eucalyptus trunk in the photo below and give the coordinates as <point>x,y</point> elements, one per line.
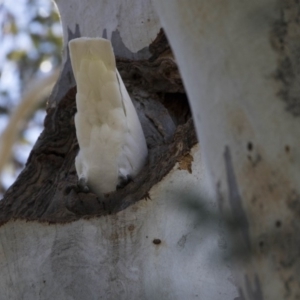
<point>154,239</point>
<point>240,65</point>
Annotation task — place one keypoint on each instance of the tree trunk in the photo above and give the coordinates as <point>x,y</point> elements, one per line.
<point>239,61</point>
<point>145,241</point>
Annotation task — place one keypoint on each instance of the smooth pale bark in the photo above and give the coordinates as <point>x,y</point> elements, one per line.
<point>240,65</point>
<point>154,249</point>
<point>131,26</point>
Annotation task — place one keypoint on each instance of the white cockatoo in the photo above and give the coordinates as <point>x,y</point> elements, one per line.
<point>112,144</point>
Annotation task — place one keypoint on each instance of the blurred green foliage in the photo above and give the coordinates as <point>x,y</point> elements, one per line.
<point>35,36</point>
<point>30,34</point>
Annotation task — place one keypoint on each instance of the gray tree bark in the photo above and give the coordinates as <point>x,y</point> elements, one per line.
<point>149,240</point>
<point>240,64</point>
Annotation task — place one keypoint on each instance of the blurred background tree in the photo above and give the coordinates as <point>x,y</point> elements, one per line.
<point>31,42</point>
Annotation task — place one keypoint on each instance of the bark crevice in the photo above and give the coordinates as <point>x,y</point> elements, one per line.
<point>47,190</point>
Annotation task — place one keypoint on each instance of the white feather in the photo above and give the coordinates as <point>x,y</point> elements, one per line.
<point>111,140</point>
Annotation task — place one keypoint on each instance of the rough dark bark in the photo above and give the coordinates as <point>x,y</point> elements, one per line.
<point>46,190</point>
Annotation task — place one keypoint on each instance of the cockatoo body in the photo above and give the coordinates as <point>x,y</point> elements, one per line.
<point>111,140</point>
